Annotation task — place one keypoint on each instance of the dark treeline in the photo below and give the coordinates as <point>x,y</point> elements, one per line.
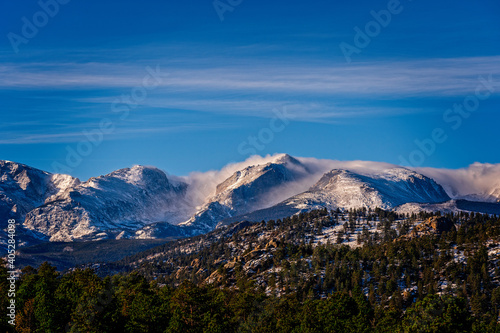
<point>81,301</point>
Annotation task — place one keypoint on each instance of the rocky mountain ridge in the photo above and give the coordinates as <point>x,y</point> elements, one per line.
<point>144,202</point>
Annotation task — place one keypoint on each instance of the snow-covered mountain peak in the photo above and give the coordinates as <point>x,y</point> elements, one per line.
<point>21,176</point>
<point>395,174</point>
<point>284,167</point>
<point>143,176</point>
<point>249,175</point>
<point>385,189</point>
<point>342,188</point>
<point>31,185</point>
<point>254,187</point>
<point>401,174</point>
<point>23,188</point>
<point>495,195</point>
<point>286,159</point>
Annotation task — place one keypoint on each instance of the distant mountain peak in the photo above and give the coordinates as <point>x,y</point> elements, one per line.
<point>252,188</point>
<point>389,188</point>
<point>285,158</point>
<point>144,176</point>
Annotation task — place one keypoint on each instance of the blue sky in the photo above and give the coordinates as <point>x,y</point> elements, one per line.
<point>221,83</point>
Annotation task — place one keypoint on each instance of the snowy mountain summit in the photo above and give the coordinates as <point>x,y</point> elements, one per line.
<point>386,189</point>
<point>254,187</point>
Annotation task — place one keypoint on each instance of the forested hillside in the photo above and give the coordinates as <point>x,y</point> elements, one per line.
<point>353,271</point>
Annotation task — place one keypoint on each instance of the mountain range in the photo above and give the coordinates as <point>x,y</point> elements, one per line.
<point>144,202</point>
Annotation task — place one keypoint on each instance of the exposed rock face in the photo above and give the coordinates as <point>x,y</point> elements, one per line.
<point>431,226</point>
<point>22,188</point>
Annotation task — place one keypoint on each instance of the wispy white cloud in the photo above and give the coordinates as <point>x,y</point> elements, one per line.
<point>26,137</point>
<point>310,111</point>
<point>314,92</point>
<point>429,77</point>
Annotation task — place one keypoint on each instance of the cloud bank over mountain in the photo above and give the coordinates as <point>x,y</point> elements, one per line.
<point>479,181</point>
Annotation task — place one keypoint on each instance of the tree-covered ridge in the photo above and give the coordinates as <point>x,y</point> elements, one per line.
<point>275,276</point>
<point>285,255</point>
<point>81,301</point>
